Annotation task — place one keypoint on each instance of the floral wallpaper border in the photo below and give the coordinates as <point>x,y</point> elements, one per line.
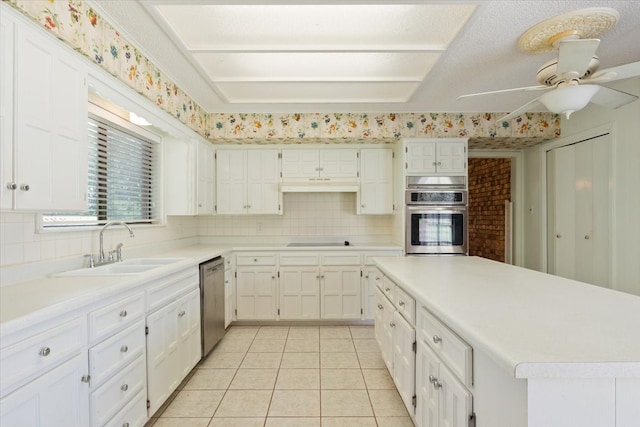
<point>77,24</point>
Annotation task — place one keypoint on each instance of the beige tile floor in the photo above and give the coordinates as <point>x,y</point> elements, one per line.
<point>281,376</point>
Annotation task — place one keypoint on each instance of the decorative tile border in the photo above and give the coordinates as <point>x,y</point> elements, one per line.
<point>77,24</point>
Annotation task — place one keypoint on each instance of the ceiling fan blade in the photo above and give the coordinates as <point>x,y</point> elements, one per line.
<point>616,73</point>
<point>574,56</point>
<point>526,107</point>
<point>612,98</point>
<point>517,89</point>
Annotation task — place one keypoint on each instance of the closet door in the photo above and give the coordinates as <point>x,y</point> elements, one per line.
<point>578,211</point>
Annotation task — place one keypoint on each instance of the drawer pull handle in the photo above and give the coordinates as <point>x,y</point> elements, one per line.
<point>181,313</point>
<point>123,313</point>
<point>401,303</point>
<point>124,387</point>
<point>255,260</point>
<point>377,278</point>
<point>387,289</point>
<point>124,349</point>
<point>393,325</point>
<point>380,306</point>
<point>437,339</point>
<point>45,351</point>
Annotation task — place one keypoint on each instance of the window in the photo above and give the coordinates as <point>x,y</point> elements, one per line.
<point>122,178</point>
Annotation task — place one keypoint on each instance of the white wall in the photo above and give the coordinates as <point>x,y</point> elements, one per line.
<point>625,123</point>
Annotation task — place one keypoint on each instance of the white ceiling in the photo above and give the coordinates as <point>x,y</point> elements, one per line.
<point>347,56</point>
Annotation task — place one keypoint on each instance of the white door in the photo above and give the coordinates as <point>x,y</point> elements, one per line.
<point>229,298</point>
<point>300,163</point>
<point>189,347</point>
<point>387,333</point>
<point>299,293</point>
<point>404,359</point>
<point>231,181</point>
<point>427,396</point>
<point>162,355</point>
<point>263,182</point>
<point>455,406</point>
<point>376,176</point>
<point>256,293</point>
<point>50,145</point>
<point>339,163</point>
<point>58,398</point>
<point>420,158</point>
<point>340,293</point>
<point>371,277</point>
<point>6,111</point>
<point>206,179</point>
<point>451,158</point>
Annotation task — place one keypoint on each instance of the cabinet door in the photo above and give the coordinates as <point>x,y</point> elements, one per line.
<point>50,134</point>
<point>58,398</point>
<point>229,297</point>
<point>455,405</point>
<point>162,355</point>
<point>404,359</point>
<point>206,179</point>
<point>256,293</point>
<point>376,176</point>
<point>189,346</point>
<point>231,181</point>
<point>339,163</point>
<point>387,332</point>
<point>451,158</point>
<point>371,277</point>
<point>340,293</point>
<point>427,403</point>
<point>420,158</point>
<point>263,181</point>
<point>300,163</point>
<point>6,110</point>
<point>299,293</point>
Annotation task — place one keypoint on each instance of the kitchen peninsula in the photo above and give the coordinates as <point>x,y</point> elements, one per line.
<point>546,351</point>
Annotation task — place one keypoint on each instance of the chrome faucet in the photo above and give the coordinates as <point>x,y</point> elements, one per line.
<point>101,257</point>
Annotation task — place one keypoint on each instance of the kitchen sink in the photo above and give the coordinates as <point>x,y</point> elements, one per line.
<point>127,268</point>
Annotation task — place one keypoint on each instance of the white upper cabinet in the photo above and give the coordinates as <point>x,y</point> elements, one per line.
<point>205,188</point>
<point>48,143</point>
<point>325,163</point>
<point>376,179</point>
<point>436,156</point>
<point>247,182</point>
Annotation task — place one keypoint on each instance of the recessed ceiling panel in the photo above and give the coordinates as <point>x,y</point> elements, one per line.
<point>322,26</point>
<point>317,66</point>
<point>316,92</point>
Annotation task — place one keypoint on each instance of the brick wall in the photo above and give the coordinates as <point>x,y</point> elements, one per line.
<point>489,187</point>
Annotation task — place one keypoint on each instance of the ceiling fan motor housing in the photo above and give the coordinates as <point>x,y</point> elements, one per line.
<point>547,74</point>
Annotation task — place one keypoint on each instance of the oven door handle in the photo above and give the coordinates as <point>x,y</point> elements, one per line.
<point>436,209</point>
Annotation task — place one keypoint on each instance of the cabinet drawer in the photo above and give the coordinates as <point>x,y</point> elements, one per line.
<point>111,355</point>
<point>340,258</point>
<point>368,257</point>
<point>386,286</point>
<point>256,259</point>
<point>117,392</point>
<point>405,304</point>
<point>453,351</point>
<point>132,415</point>
<point>167,290</point>
<point>41,353</point>
<point>107,320</point>
<point>303,258</point>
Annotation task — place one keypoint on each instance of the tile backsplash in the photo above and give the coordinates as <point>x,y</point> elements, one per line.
<point>305,214</point>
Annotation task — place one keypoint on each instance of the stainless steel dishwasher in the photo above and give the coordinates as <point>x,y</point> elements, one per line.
<point>211,303</point>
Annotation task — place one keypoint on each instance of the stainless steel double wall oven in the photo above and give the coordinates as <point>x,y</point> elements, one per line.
<point>436,215</point>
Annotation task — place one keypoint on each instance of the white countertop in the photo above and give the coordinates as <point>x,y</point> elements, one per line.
<point>532,324</point>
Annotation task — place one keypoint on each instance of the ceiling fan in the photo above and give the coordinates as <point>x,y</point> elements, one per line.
<point>571,80</point>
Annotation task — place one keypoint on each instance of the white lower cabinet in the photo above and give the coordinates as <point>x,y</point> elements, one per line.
<point>370,281</point>
<point>442,400</point>
<point>340,292</point>
<point>383,331</point>
<point>57,398</point>
<point>256,293</point>
<point>173,346</point>
<point>299,292</point>
<point>229,293</point>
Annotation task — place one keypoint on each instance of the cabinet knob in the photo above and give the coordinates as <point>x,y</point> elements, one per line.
<point>436,384</point>
<point>387,289</point>
<point>559,236</point>
<point>182,313</point>
<point>255,260</point>
<point>587,237</point>
<point>124,349</point>
<point>124,387</point>
<point>24,187</point>
<point>380,306</point>
<point>125,425</point>
<point>393,325</point>
<point>434,164</point>
<point>432,379</point>
<point>401,303</point>
<point>45,351</point>
<point>123,313</point>
<point>436,339</point>
<point>362,206</point>
<point>12,185</point>
<point>86,378</point>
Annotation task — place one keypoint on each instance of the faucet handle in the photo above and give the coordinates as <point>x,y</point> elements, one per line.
<point>91,262</point>
<point>119,252</point>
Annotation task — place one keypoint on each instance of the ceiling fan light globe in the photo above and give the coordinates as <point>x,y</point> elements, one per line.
<point>566,100</point>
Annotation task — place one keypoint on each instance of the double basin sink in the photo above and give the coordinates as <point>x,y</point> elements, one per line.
<point>125,268</point>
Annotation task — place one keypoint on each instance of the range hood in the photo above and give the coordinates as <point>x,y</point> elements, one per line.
<point>320,186</point>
